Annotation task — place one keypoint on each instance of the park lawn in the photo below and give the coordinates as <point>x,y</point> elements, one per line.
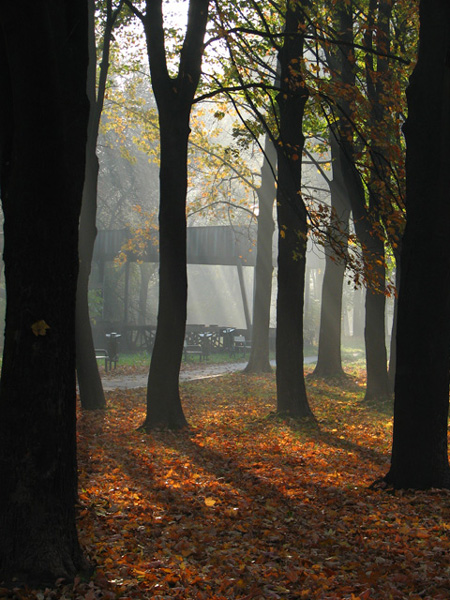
<point>248,506</point>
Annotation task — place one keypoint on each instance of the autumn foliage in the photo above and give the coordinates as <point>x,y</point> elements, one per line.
<point>248,506</point>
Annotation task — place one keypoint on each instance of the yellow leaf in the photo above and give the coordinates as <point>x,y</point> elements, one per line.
<point>210,501</point>
<point>40,328</point>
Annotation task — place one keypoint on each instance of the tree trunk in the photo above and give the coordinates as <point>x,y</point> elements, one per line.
<point>375,327</point>
<point>329,361</point>
<point>174,97</point>
<point>89,381</point>
<point>419,452</point>
<point>259,361</point>
<point>373,253</point>
<point>343,63</point>
<point>292,223</point>
<point>43,48</point>
<point>378,82</point>
<point>163,396</point>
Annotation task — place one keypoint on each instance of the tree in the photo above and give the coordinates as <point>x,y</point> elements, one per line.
<point>292,219</point>
<point>43,125</point>
<point>329,361</point>
<point>419,451</point>
<point>259,357</point>
<point>365,124</point>
<point>89,382</point>
<point>174,97</point>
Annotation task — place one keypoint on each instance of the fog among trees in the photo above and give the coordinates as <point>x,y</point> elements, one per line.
<point>188,185</point>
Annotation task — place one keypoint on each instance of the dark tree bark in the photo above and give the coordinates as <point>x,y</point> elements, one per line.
<point>89,382</point>
<point>329,361</point>
<point>259,361</point>
<point>342,64</point>
<point>419,452</point>
<point>174,97</point>
<point>292,222</point>
<point>375,329</point>
<point>44,114</point>
<point>378,81</point>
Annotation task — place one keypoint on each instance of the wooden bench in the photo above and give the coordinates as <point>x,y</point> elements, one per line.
<point>192,349</point>
<point>240,344</point>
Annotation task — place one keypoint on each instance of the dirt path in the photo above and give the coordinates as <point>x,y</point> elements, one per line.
<point>200,371</point>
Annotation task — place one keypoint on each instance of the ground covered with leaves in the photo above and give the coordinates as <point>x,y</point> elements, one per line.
<point>248,506</point>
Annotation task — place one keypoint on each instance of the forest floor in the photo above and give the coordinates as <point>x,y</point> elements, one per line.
<point>245,505</point>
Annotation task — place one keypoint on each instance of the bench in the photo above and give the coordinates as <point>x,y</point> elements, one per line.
<point>103,355</point>
<point>192,349</point>
<point>240,344</point>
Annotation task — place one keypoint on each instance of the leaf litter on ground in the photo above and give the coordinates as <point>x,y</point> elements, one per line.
<point>247,506</point>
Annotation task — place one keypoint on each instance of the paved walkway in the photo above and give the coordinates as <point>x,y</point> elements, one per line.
<point>203,371</point>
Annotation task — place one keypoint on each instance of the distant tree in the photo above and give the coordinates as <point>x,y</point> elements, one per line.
<point>174,97</point>
<point>329,361</point>
<point>43,125</point>
<point>259,361</point>
<point>420,452</point>
<point>89,382</point>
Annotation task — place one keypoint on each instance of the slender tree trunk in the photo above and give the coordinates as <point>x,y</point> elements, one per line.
<point>375,327</point>
<point>89,382</point>
<point>420,452</point>
<point>377,81</point>
<point>329,361</point>
<point>259,361</point>
<point>343,63</point>
<point>373,254</point>
<point>43,48</point>
<point>292,223</point>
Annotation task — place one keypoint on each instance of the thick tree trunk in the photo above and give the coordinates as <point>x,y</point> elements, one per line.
<point>259,361</point>
<point>292,223</point>
<point>291,391</point>
<point>163,396</point>
<point>174,97</point>
<point>43,48</point>
<point>419,452</point>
